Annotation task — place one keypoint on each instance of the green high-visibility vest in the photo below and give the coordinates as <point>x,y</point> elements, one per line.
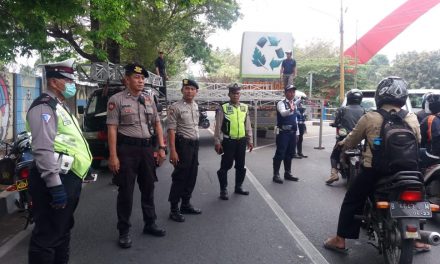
<point>234,122</point>
<point>70,141</point>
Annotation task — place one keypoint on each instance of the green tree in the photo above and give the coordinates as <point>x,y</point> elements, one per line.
<point>113,30</point>
<point>225,67</point>
<point>421,70</point>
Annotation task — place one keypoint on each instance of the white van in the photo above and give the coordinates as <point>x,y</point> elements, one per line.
<point>416,97</point>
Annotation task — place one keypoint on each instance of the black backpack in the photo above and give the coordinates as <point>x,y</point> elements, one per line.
<point>398,148</point>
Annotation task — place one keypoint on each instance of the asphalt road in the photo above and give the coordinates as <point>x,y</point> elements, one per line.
<point>275,224</point>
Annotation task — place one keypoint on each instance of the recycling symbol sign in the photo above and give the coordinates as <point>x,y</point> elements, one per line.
<point>268,53</point>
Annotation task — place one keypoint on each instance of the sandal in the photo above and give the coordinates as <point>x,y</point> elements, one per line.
<point>334,248</point>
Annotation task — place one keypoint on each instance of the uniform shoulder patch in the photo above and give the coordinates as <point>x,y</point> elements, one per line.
<point>45,117</point>
<point>111,106</point>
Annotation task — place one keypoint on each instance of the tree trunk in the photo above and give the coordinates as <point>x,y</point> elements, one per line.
<point>113,51</point>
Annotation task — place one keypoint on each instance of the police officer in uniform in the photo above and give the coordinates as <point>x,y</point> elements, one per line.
<point>233,132</point>
<point>301,119</point>
<point>183,137</point>
<point>61,161</point>
<point>133,123</point>
<point>286,138</point>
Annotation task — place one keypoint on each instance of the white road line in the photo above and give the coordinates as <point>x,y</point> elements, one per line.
<point>311,251</point>
<point>15,240</point>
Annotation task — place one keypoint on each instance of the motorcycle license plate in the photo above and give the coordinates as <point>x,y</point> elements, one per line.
<point>21,185</point>
<point>411,210</point>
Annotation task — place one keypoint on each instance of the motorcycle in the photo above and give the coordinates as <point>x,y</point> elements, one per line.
<point>19,159</point>
<point>203,118</point>
<point>393,215</point>
<point>349,166</point>
<point>432,183</point>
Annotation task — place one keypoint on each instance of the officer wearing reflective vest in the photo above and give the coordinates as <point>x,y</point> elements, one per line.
<point>233,132</point>
<point>61,161</point>
<point>286,138</point>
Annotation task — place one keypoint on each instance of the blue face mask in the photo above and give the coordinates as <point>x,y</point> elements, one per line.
<point>70,90</point>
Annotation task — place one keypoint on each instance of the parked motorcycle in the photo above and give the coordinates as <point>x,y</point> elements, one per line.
<point>19,160</point>
<point>203,118</point>
<point>393,215</point>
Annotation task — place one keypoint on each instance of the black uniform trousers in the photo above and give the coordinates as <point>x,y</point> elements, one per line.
<point>185,172</point>
<point>136,162</point>
<point>286,142</point>
<point>302,130</point>
<point>233,150</point>
<point>354,202</point>
<point>50,237</point>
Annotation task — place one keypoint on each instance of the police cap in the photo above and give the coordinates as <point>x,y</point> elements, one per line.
<point>135,68</point>
<point>189,82</point>
<point>59,70</point>
<point>290,87</point>
<point>234,88</point>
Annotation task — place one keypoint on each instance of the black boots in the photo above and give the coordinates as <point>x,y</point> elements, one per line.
<point>276,171</point>
<point>239,179</point>
<point>124,240</point>
<point>224,194</point>
<point>153,229</point>
<point>175,214</point>
<point>287,170</point>
<point>187,208</point>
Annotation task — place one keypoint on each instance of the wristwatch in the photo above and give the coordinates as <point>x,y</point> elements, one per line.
<point>163,147</point>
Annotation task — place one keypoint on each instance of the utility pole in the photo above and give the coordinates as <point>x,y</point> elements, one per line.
<point>341,57</point>
<point>356,59</point>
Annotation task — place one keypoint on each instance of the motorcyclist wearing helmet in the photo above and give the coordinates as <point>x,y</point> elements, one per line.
<point>391,94</point>
<point>425,111</point>
<point>345,120</point>
<point>430,130</point>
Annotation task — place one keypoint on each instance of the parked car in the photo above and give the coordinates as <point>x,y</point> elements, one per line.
<point>416,97</point>
<point>94,121</point>
<point>369,104</point>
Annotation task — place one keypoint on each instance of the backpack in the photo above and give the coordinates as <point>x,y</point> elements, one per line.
<point>433,138</point>
<point>398,148</point>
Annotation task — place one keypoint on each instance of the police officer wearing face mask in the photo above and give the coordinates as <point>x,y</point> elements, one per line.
<point>62,159</point>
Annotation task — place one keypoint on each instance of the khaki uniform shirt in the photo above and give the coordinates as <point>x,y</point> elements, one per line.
<point>369,126</point>
<point>130,115</point>
<point>184,119</point>
<point>219,117</point>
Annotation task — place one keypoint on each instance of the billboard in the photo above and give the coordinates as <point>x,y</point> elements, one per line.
<point>263,52</point>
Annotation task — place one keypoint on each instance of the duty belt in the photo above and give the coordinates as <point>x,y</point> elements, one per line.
<point>126,140</point>
<point>287,128</point>
<point>191,142</point>
<point>229,137</point>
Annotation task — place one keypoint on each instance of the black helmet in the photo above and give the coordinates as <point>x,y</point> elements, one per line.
<point>433,101</point>
<point>354,96</point>
<point>391,90</point>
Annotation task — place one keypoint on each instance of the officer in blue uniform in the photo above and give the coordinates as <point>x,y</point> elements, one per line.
<point>286,138</point>
<point>301,118</point>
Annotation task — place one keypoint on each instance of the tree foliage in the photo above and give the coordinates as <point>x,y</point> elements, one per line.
<point>421,70</point>
<point>113,30</point>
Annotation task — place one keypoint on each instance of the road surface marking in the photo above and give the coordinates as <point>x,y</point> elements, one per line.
<point>311,251</point>
<point>15,240</point>
<point>315,256</point>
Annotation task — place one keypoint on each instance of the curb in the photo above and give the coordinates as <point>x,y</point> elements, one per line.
<point>7,203</point>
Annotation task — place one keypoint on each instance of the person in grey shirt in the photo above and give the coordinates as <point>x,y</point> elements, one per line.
<point>62,159</point>
<point>183,137</point>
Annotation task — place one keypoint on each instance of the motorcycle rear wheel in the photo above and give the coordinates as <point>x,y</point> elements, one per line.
<point>395,249</point>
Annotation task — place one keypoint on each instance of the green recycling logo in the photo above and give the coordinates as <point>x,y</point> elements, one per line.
<point>259,59</point>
